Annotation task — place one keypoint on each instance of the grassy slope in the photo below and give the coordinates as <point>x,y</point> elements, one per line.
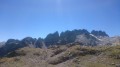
<point>63,56</point>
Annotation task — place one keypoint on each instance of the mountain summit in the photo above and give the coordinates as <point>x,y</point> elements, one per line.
<point>81,37</point>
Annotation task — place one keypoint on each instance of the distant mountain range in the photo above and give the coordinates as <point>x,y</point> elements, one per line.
<point>81,37</point>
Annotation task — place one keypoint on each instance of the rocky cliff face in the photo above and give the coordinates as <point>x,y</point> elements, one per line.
<point>13,44</point>
<point>92,40</point>
<point>87,40</point>
<point>81,36</point>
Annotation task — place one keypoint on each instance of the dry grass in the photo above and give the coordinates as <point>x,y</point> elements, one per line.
<point>62,56</point>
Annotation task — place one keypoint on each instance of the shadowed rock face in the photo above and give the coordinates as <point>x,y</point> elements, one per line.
<point>9,46</point>
<point>40,43</point>
<point>81,36</point>
<point>99,33</point>
<point>12,44</point>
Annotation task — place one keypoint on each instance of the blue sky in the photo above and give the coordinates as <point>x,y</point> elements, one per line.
<point>37,18</point>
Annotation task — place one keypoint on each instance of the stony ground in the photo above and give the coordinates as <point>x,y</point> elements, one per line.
<point>64,56</point>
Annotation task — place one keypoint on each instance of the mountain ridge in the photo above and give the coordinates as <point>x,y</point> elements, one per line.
<point>80,36</point>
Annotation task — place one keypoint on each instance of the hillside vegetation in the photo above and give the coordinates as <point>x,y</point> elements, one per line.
<point>76,48</point>
<point>63,56</point>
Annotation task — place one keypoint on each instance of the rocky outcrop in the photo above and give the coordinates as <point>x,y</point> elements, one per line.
<point>80,36</point>
<point>99,33</point>
<point>13,44</point>
<point>87,40</point>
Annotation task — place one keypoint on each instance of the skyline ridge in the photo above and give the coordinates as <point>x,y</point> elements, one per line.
<point>21,18</point>
<point>58,33</point>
